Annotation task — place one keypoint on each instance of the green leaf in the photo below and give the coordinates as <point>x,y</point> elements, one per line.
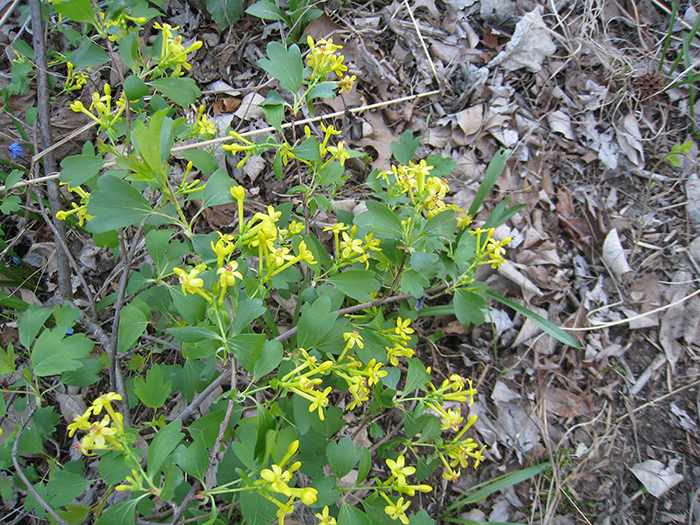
<point>405,149</point>
<point>153,392</point>
<point>31,322</point>
<point>225,12</point>
<point>65,486</point>
<point>132,323</point>
<point>53,355</point>
<point>147,140</point>
<point>365,465</point>
<point>273,106</point>
<point>357,284</point>
<point>193,334</point>
<point>165,253</point>
<point>331,173</point>
<point>342,456</point>
<point>315,322</point>
<point>7,360</point>
<point>323,90</point>
<point>248,311</point>
<point>270,358</point>
<point>442,166</point>
<point>122,513</point>
<point>202,160</point>
<point>267,10</point>
<point>216,191</point>
<point>256,509</point>
<point>493,171</point>
<point>182,91</point>
<point>88,373</point>
<point>350,515</point>
<point>380,219</point>
<point>88,55</point>
<point>129,50</point>
<point>286,66</point>
<point>193,459</point>
<point>135,88</point>
<point>442,225</point>
<point>78,169</point>
<point>308,150</point>
<point>165,442</point>
<point>76,10</point>
<point>414,283</point>
<point>75,513</point>
<point>247,348</point>
<point>417,375</point>
<point>469,307</point>
<point>543,323</point>
<point>116,204</point>
<point>494,485</point>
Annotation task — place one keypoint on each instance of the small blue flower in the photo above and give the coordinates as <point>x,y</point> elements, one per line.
<point>16,150</point>
<point>16,260</point>
<point>420,304</point>
<point>69,331</point>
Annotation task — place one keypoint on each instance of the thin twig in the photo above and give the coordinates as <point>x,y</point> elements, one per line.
<point>42,89</point>
<point>251,133</point>
<point>20,473</point>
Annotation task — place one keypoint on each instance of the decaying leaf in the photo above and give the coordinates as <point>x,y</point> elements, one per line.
<point>692,193</point>
<point>614,254</point>
<point>564,403</point>
<point>655,478</point>
<point>530,45</point>
<point>629,139</point>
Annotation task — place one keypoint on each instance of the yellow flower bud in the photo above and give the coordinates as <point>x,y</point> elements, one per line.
<point>238,193</point>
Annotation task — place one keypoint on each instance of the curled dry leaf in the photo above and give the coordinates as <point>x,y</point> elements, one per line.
<point>655,478</point>
<point>530,45</point>
<point>614,255</point>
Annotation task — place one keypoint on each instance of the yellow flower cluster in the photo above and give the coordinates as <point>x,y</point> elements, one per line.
<point>276,479</point>
<point>425,192</point>
<point>75,79</point>
<point>173,54</point>
<point>203,126</point>
<point>117,27</point>
<point>489,250</point>
<point>399,337</point>
<point>80,211</point>
<point>324,59</point>
<point>459,451</point>
<point>261,232</point>
<point>103,106</point>
<point>350,250</point>
<point>304,379</point>
<point>101,434</point>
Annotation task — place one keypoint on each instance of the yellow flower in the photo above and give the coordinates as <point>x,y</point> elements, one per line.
<point>403,328</point>
<point>222,248</point>
<point>397,511</point>
<point>277,478</point>
<point>320,402</point>
<point>346,83</point>
<point>399,471</point>
<point>353,339</point>
<point>339,152</point>
<point>228,274</point>
<point>350,246</point>
<point>80,423</point>
<point>189,281</point>
<point>325,518</point>
<point>452,419</point>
